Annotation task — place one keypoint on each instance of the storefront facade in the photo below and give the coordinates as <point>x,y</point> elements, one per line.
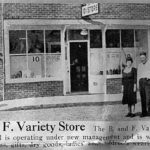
<point>50,50</point>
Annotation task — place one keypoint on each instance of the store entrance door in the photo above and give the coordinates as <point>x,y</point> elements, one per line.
<point>78,66</point>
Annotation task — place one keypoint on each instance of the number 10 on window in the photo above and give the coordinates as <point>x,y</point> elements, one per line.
<point>36,59</point>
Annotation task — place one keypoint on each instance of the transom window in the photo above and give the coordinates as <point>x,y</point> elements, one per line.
<point>113,38</point>
<point>95,39</point>
<point>127,38</point>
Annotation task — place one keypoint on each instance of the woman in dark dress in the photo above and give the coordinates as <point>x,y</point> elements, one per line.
<point>129,80</point>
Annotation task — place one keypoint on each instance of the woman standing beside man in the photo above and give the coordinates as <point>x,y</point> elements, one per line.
<point>129,81</point>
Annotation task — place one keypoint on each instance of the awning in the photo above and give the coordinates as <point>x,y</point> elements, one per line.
<point>79,23</point>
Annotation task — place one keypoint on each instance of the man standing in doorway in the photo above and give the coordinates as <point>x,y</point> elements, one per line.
<point>144,83</point>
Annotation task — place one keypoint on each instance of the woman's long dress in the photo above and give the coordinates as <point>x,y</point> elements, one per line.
<point>128,81</point>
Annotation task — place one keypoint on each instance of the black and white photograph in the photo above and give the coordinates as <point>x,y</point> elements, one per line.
<point>75,61</point>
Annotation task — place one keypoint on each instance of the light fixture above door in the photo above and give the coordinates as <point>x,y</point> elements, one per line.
<point>84,31</point>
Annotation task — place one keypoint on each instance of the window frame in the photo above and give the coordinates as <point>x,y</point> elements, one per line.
<point>101,46</point>
<point>114,51</point>
<point>125,49</point>
<point>132,42</point>
<point>119,34</point>
<point>51,44</point>
<point>8,78</point>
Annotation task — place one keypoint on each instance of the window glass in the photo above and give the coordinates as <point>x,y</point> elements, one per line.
<point>42,57</point>
<point>112,38</point>
<point>17,41</point>
<point>141,39</point>
<point>95,39</point>
<point>35,41</point>
<point>76,35</point>
<point>53,62</point>
<point>18,67</point>
<point>53,38</point>
<point>113,64</point>
<point>127,38</point>
<point>36,66</point>
<point>141,43</point>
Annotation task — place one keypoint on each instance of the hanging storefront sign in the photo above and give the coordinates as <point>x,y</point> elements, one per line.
<point>90,9</point>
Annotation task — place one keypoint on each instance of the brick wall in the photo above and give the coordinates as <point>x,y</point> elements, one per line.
<point>38,11</point>
<point>35,89</point>
<point>114,86</point>
<point>73,11</point>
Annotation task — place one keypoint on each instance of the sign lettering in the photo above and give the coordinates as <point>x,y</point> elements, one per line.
<point>89,9</point>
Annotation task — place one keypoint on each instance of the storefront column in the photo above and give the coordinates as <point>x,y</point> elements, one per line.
<point>148,43</point>
<point>63,58</point>
<point>104,62</point>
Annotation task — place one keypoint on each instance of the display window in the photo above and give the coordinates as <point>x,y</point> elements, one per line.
<point>35,54</point>
<point>113,52</point>
<point>96,52</point>
<point>121,43</point>
<point>113,63</point>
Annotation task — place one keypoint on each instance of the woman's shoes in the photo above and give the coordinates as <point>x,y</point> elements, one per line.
<point>130,115</point>
<point>143,115</point>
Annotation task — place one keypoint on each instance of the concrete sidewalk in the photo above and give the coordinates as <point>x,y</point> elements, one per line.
<point>59,101</point>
